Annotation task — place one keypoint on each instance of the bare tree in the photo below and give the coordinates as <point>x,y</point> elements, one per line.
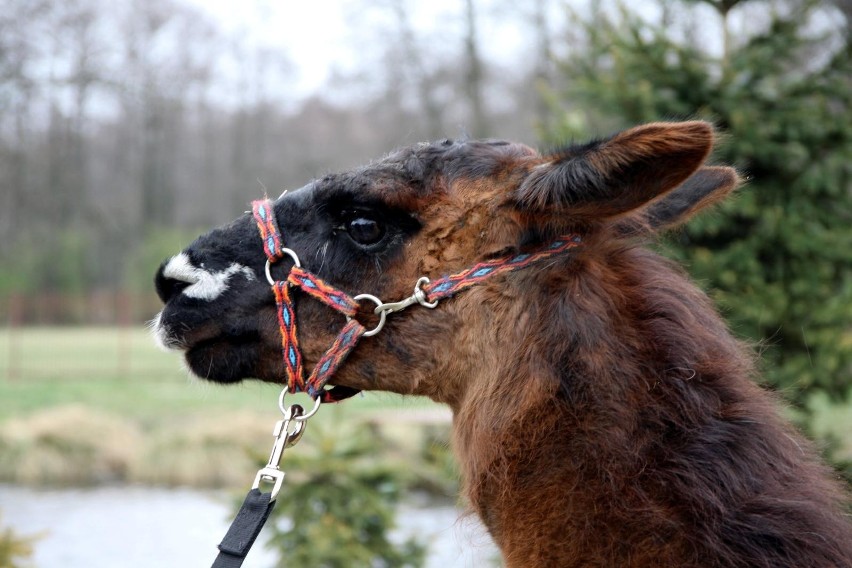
<point>20,49</point>
<point>78,46</point>
<point>543,72</point>
<point>475,74</point>
<point>119,119</point>
<point>425,81</point>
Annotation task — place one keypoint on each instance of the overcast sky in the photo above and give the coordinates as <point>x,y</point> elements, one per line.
<point>319,35</point>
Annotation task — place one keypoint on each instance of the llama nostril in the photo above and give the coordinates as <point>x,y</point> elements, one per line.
<point>168,288</point>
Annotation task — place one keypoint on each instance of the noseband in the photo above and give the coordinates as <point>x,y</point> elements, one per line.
<point>426,293</point>
<point>257,506</point>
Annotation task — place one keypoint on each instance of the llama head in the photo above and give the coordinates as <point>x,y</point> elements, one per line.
<point>427,210</point>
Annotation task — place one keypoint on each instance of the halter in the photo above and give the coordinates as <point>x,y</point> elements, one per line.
<point>257,506</point>
<point>426,293</point>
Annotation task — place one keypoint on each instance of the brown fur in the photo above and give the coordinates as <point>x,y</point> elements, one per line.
<point>603,413</point>
<point>653,448</point>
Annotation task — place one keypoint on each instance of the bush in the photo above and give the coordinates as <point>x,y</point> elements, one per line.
<point>776,258</point>
<point>70,445</point>
<point>337,505</point>
<point>14,549</point>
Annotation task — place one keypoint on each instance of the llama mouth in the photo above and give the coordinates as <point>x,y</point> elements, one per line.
<point>198,339</point>
<point>223,359</point>
<point>162,337</point>
<point>243,339</point>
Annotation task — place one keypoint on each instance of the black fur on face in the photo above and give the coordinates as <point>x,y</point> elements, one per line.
<point>347,228</point>
<point>219,308</point>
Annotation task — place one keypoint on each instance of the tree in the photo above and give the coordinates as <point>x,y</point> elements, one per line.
<point>409,68</point>
<point>776,259</point>
<point>340,510</point>
<point>20,52</point>
<point>15,550</point>
<point>474,73</point>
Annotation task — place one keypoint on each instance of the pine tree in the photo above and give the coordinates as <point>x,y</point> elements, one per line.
<point>337,507</point>
<point>778,258</point>
<point>15,550</point>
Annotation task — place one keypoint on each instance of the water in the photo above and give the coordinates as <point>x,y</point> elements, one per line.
<point>130,527</point>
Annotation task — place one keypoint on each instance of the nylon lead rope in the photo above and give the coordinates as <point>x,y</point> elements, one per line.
<point>257,506</point>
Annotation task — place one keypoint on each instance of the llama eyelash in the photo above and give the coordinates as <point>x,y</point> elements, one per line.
<point>322,253</point>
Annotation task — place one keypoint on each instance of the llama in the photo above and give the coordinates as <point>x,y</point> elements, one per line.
<point>603,414</point>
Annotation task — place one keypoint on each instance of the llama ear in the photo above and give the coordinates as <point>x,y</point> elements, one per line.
<point>617,175</point>
<point>706,187</point>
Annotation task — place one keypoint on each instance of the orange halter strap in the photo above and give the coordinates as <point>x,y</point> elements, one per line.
<point>429,296</point>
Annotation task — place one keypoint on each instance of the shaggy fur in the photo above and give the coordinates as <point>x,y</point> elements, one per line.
<point>603,413</point>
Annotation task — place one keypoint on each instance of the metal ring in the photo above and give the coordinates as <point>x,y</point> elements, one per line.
<point>281,400</point>
<point>420,295</point>
<point>383,315</point>
<point>289,252</point>
<point>313,411</point>
<point>302,417</point>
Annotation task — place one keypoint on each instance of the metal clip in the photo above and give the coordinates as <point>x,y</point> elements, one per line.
<point>419,297</point>
<point>274,476</point>
<point>284,438</point>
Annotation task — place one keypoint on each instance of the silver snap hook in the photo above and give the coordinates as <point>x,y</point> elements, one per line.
<point>383,315</point>
<point>420,295</point>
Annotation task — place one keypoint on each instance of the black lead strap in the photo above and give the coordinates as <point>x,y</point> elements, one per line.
<point>244,530</point>
<point>257,506</point>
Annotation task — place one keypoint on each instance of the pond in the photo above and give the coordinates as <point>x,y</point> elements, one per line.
<point>130,527</point>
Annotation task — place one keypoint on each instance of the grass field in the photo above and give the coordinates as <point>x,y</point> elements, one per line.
<point>88,405</point>
<point>84,405</point>
<point>120,370</point>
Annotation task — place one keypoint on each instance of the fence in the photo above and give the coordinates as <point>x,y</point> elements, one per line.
<point>100,307</point>
<point>100,335</point>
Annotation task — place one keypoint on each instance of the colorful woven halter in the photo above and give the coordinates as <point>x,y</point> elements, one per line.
<point>342,302</point>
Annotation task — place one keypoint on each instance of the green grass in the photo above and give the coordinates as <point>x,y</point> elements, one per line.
<point>120,370</point>
<point>99,352</point>
<point>110,394</point>
<point>87,405</point>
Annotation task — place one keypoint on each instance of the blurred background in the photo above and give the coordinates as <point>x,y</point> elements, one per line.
<point>127,127</point>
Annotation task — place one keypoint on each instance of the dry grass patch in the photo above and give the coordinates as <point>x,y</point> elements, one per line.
<point>68,445</point>
<point>78,446</point>
<point>205,451</point>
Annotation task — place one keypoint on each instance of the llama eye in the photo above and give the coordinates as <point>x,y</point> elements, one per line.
<point>364,230</point>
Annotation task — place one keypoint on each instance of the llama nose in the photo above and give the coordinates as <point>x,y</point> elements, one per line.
<point>168,288</point>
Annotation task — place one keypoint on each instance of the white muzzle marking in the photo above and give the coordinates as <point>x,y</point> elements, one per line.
<point>161,336</point>
<point>203,284</point>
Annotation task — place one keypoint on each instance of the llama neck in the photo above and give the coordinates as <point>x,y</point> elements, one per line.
<point>631,435</point>
<point>532,493</point>
<point>545,481</point>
